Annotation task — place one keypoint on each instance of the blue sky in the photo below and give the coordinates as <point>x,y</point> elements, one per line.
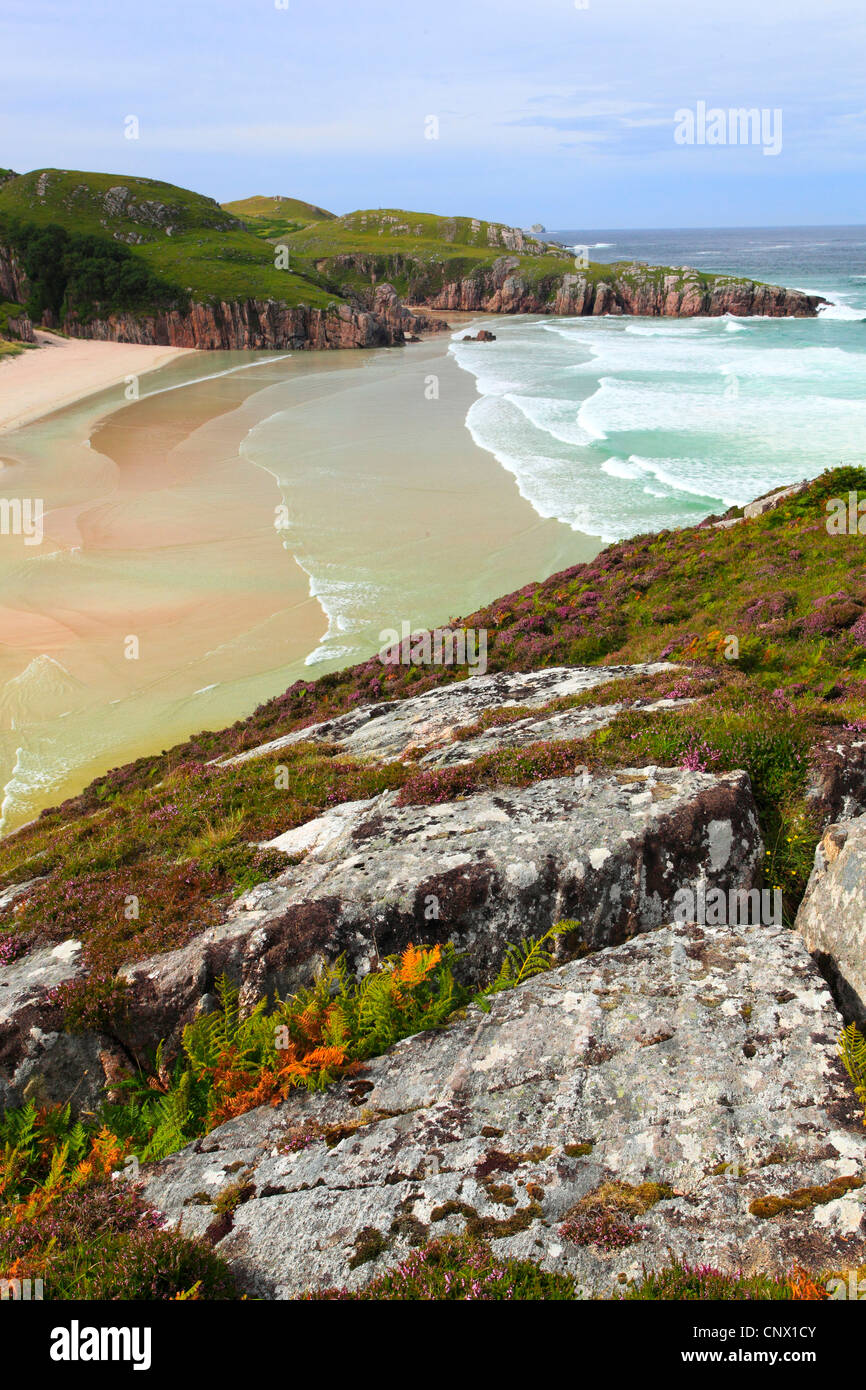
<point>546,112</point>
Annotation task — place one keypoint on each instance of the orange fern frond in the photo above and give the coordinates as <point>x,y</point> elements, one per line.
<point>804,1288</point>
<point>416,964</point>
<point>324,1059</point>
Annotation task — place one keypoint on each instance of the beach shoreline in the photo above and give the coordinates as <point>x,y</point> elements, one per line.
<point>249,521</point>
<point>64,371</point>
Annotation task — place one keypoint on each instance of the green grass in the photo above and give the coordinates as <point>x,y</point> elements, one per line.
<point>105,1242</point>
<point>209,253</point>
<point>461,1268</point>
<point>213,253</point>
<point>285,209</point>
<point>458,1268</point>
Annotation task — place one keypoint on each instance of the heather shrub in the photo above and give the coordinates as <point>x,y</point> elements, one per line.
<point>105,1242</point>
<point>458,1268</point>
<point>685,1283</point>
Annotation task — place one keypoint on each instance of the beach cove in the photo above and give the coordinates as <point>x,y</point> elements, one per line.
<point>251,519</point>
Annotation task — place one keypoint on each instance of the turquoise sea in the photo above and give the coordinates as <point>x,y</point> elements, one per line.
<point>618,426</point>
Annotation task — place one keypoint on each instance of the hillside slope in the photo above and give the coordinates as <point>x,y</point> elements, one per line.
<point>772,657</point>
<point>467,264</point>
<point>291,906</point>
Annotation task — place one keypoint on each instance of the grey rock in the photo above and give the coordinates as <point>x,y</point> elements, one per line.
<point>35,1058</point>
<point>610,851</point>
<point>772,500</point>
<point>9,896</point>
<point>701,1058</point>
<point>831,919</point>
<point>836,788</point>
<point>566,724</point>
<point>393,729</point>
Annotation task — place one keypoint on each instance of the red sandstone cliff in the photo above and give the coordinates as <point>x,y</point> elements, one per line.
<point>256,323</point>
<point>499,288</point>
<point>631,289</point>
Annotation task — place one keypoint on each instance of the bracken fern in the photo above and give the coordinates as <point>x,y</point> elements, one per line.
<point>852,1048</point>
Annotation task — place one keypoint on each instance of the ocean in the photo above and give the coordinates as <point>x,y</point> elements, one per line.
<point>620,426</point>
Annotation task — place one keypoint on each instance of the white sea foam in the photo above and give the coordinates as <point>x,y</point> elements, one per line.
<point>337,599</point>
<point>553,415</point>
<point>838,310</point>
<point>621,425</point>
<point>671,328</point>
<point>620,468</point>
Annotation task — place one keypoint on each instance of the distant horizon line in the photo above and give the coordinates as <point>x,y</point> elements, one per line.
<point>723,227</point>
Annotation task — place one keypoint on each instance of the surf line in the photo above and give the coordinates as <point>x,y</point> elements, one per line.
<point>242,367</point>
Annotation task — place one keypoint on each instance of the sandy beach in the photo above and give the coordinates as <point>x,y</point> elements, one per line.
<point>253,518</point>
<point>61,371</point>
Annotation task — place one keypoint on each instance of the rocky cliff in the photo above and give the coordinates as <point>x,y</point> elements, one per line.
<point>248,323</point>
<point>374,315</point>
<point>253,323</point>
<point>626,289</point>
<point>13,284</point>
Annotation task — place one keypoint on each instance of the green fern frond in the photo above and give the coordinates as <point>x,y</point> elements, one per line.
<point>522,961</point>
<point>852,1049</point>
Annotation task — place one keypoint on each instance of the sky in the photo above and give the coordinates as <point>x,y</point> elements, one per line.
<point>559,112</point>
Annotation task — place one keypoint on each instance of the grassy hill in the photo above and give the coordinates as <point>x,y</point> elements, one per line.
<point>209,252</point>
<point>294,208</point>
<point>419,252</point>
<point>149,245</point>
<point>275,217</point>
<point>184,238</point>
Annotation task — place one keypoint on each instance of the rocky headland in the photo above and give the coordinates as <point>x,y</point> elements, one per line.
<point>145,262</point>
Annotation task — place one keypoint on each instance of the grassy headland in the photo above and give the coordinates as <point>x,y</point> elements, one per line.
<point>131,244</point>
